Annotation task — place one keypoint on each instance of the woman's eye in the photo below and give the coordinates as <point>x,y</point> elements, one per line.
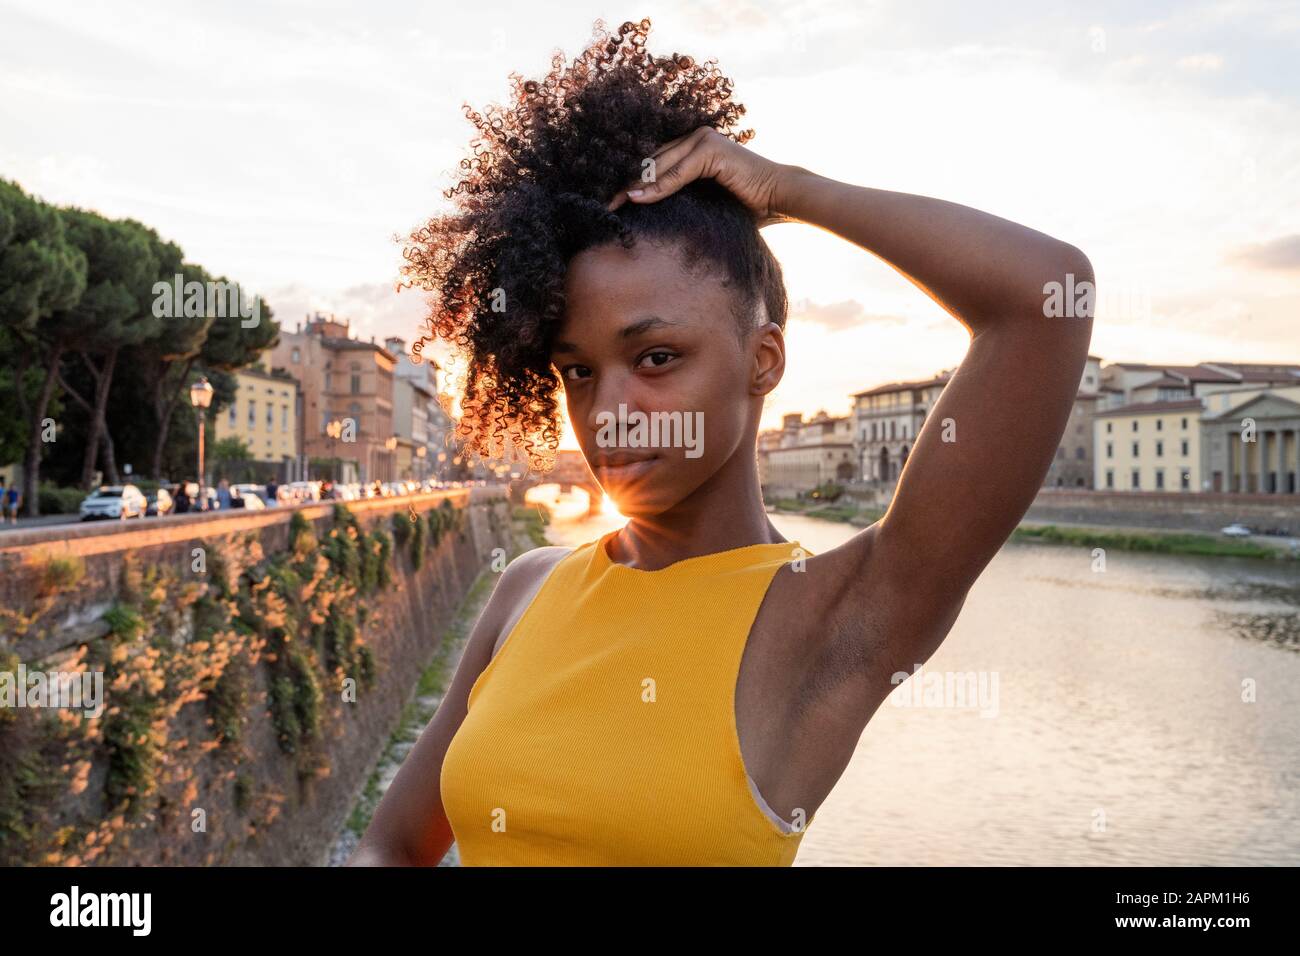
<point>656,359</point>
<point>575,372</point>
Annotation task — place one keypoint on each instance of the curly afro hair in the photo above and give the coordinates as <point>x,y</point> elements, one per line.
<point>532,195</point>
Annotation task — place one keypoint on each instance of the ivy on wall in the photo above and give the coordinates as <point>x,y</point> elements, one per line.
<point>197,634</point>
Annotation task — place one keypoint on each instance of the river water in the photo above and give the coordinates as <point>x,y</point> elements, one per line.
<point>1144,714</point>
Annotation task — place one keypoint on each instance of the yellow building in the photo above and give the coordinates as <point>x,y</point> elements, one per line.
<point>1149,446</point>
<point>264,414</point>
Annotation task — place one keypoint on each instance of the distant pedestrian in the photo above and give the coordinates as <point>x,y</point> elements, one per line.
<point>182,499</point>
<point>272,493</point>
<point>223,495</point>
<point>12,500</point>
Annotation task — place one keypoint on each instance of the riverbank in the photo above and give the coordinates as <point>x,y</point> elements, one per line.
<point>528,527</point>
<point>1090,536</point>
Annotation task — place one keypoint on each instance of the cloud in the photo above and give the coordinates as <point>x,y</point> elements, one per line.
<point>1201,63</point>
<point>836,316</point>
<point>373,308</point>
<point>1281,254</point>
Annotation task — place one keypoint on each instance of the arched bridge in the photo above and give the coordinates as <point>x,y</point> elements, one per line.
<point>570,471</point>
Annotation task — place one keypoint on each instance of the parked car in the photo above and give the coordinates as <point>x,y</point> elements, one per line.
<point>114,501</point>
<point>301,491</point>
<point>248,501</point>
<point>159,502</point>
<point>247,490</point>
<point>1236,531</point>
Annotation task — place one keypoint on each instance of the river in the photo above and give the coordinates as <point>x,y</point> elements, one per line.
<point>1144,714</point>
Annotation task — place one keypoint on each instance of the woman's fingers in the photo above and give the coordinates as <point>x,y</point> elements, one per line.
<point>664,158</point>
<point>667,181</point>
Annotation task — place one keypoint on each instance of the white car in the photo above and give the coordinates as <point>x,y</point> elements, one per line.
<point>249,501</point>
<point>304,491</point>
<point>114,501</point>
<point>1236,531</point>
<point>246,491</point>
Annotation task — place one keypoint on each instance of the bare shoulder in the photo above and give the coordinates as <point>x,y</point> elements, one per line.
<point>519,584</point>
<point>528,570</point>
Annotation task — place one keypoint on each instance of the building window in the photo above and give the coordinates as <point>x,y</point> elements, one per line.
<point>1079,453</point>
<point>1108,427</point>
<point>270,416</point>
<point>1110,450</point>
<point>1135,449</point>
<point>1137,484</point>
<point>284,418</point>
<point>1135,424</point>
<point>356,378</point>
<point>252,415</point>
<point>328,386</point>
<point>1185,480</point>
<point>1160,449</point>
<point>1160,424</point>
<point>1184,423</point>
<point>232,415</point>
<point>1160,479</point>
<point>1110,478</point>
<point>297,356</point>
<point>1185,447</point>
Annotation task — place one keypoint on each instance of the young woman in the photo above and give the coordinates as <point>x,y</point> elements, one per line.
<point>689,688</point>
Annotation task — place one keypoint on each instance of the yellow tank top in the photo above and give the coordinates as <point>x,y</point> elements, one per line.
<point>603,732</point>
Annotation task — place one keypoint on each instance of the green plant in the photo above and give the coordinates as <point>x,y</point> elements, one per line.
<point>55,500</point>
<point>61,574</point>
<point>417,543</point>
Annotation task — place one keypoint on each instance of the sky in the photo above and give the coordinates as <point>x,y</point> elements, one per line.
<point>291,145</point>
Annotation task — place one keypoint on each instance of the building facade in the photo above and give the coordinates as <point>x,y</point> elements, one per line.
<point>1253,446</point>
<point>808,454</point>
<point>886,421</point>
<point>1149,446</point>
<point>1073,466</point>
<point>264,416</point>
<point>347,388</point>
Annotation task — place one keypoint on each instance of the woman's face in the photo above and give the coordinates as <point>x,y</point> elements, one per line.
<point>661,389</point>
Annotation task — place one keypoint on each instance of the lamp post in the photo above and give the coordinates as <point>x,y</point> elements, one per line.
<point>201,398</point>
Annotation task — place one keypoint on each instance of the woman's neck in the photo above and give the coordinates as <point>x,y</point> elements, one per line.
<point>724,513</point>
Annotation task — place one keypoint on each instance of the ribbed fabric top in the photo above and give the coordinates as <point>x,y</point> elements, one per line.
<point>603,731</point>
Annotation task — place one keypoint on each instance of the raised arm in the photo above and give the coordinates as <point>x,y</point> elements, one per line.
<point>988,442</point>
<point>981,455</point>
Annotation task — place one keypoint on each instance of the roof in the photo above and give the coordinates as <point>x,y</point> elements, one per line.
<point>811,447</point>
<point>276,374</point>
<point>1198,373</point>
<point>1162,381</point>
<point>902,386</point>
<point>1235,410</point>
<point>333,342</point>
<point>1258,371</point>
<point>1149,408</point>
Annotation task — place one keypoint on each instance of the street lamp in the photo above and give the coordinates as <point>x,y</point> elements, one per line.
<point>201,398</point>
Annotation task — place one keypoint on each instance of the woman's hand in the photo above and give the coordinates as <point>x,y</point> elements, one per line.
<point>707,154</point>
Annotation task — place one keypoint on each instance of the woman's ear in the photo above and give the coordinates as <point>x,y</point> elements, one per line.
<point>768,350</point>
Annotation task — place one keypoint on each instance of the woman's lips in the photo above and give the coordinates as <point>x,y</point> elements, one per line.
<point>621,469</point>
